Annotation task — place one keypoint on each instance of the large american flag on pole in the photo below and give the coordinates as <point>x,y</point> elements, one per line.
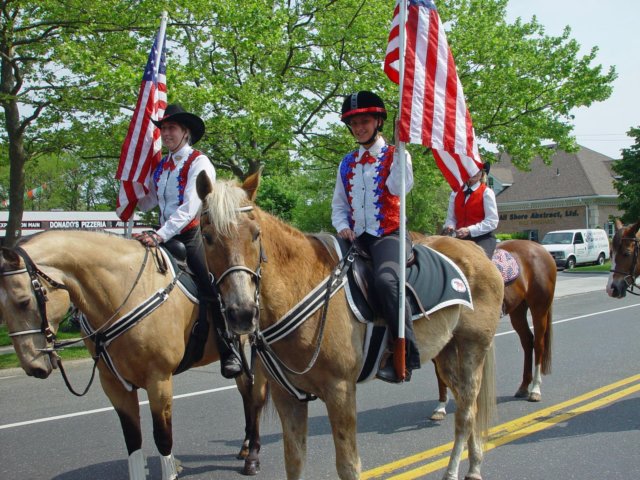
<point>433,111</point>
<point>142,147</point>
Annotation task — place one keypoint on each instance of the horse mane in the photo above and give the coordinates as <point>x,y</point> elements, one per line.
<point>222,206</point>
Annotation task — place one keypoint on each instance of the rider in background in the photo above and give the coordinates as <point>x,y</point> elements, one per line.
<point>366,209</point>
<point>173,190</point>
<point>473,212</point>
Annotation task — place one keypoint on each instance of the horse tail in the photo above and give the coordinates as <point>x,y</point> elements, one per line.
<point>487,395</point>
<point>548,337</point>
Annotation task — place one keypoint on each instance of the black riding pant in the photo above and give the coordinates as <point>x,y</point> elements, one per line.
<point>384,252</point>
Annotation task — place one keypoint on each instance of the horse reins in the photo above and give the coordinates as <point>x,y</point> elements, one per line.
<point>45,327</point>
<point>630,278</point>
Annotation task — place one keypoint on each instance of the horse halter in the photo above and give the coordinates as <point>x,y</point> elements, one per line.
<point>255,274</point>
<point>41,296</point>
<point>630,278</point>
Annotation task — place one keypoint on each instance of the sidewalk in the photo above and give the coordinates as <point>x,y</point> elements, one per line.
<point>575,283</point>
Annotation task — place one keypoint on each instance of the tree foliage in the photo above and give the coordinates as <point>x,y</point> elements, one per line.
<point>268,79</point>
<point>628,182</point>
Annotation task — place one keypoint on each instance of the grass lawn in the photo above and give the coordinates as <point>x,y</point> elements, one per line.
<point>5,340</point>
<point>591,268</point>
<point>10,360</point>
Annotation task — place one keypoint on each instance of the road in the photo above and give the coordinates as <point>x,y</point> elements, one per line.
<point>586,427</point>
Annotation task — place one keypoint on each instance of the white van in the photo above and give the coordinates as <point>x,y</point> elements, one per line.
<point>572,247</point>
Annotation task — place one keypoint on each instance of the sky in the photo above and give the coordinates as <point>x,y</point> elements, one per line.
<point>614,28</point>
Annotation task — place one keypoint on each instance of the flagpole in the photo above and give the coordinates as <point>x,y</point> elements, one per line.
<point>399,353</point>
<point>128,230</point>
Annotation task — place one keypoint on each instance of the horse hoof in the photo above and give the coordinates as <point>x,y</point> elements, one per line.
<point>251,467</point>
<point>535,397</point>
<point>522,393</point>
<point>438,415</point>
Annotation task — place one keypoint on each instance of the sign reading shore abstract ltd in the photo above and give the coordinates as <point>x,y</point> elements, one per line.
<point>34,222</point>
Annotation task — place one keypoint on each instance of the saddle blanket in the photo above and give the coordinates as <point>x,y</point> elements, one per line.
<point>433,282</point>
<point>507,265</point>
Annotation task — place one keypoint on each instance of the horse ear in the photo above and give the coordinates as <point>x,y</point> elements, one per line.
<point>618,224</point>
<point>203,185</point>
<point>9,260</point>
<point>635,228</point>
<point>251,184</point>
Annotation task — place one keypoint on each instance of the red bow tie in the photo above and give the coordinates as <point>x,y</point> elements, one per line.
<point>169,164</point>
<point>366,158</point>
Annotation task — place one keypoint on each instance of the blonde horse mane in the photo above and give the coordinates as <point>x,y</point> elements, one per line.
<point>223,204</point>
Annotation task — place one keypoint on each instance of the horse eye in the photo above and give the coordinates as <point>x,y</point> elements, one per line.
<point>24,304</point>
<point>207,238</point>
<point>256,234</point>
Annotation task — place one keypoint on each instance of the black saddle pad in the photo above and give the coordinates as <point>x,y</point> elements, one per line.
<point>434,282</point>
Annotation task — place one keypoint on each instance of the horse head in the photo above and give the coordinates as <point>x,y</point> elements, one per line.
<point>20,310</point>
<point>233,247</point>
<point>625,263</point>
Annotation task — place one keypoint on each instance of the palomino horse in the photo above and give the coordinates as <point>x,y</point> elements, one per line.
<point>625,260</point>
<point>265,267</point>
<point>533,290</point>
<point>108,278</point>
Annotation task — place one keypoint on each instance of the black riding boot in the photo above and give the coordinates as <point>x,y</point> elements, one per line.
<point>412,358</point>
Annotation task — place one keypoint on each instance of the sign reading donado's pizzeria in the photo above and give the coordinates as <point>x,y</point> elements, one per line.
<point>34,222</point>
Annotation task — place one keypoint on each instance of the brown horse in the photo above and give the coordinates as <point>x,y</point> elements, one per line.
<point>265,267</point>
<point>533,291</point>
<point>625,260</point>
<point>109,278</point>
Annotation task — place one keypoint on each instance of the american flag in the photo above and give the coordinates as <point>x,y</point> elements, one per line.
<point>433,110</point>
<point>142,148</point>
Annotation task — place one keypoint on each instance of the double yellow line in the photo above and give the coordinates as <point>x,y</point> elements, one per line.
<point>404,468</point>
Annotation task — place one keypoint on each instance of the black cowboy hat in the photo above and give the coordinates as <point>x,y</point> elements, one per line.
<point>175,113</point>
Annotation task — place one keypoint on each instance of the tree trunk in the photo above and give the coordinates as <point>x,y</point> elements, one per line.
<point>17,154</point>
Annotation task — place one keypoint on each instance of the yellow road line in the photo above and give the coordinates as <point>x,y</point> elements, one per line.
<point>509,431</point>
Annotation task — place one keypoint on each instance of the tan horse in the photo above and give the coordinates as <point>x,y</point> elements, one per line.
<point>107,277</point>
<point>532,291</point>
<point>265,267</point>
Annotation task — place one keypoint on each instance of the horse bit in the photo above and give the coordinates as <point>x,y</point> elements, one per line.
<point>629,277</point>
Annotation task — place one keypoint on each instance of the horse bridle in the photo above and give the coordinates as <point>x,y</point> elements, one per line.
<point>40,293</point>
<point>630,278</point>
<point>256,274</point>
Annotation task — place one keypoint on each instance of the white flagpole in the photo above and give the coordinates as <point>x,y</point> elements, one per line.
<point>403,187</point>
<point>128,230</point>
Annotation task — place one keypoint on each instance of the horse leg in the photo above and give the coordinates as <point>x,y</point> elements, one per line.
<point>441,410</point>
<point>464,370</point>
<point>341,408</point>
<point>254,397</point>
<point>542,323</point>
<point>160,393</point>
<point>294,418</point>
<point>126,406</point>
<point>519,322</point>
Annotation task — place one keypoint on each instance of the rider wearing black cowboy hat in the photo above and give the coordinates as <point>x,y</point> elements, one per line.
<point>173,190</point>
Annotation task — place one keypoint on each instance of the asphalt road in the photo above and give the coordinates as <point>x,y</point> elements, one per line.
<point>586,427</point>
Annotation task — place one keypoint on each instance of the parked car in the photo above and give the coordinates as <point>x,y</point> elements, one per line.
<point>575,247</point>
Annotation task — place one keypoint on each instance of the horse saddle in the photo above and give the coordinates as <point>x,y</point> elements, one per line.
<point>507,265</point>
<point>433,282</point>
<point>176,254</point>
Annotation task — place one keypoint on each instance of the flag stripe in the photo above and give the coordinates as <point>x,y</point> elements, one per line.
<point>141,149</point>
<point>433,108</point>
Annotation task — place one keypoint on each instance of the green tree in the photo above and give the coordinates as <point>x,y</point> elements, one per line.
<point>268,79</point>
<point>628,183</point>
